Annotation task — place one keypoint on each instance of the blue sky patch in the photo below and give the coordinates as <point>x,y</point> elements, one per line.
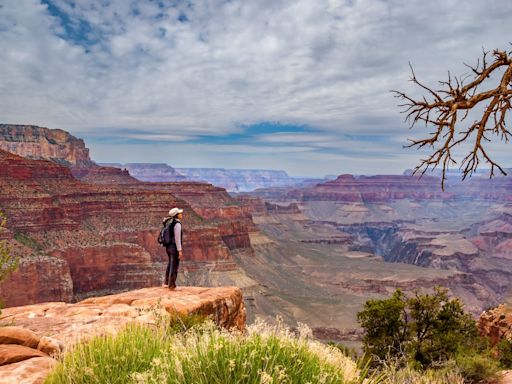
<point>79,32</point>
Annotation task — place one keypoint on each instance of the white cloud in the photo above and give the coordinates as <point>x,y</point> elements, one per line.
<point>328,64</point>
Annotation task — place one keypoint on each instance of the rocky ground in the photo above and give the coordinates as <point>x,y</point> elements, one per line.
<point>31,336</point>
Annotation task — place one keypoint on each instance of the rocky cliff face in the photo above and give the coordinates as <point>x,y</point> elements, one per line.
<point>103,175</point>
<point>43,143</point>
<point>76,239</point>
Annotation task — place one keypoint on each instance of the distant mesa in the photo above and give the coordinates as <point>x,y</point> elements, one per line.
<point>245,180</point>
<point>150,172</point>
<point>39,143</point>
<point>233,180</point>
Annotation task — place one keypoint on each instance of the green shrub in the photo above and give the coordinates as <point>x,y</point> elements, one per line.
<point>392,374</point>
<point>477,367</point>
<point>386,331</point>
<point>27,241</point>
<point>8,263</point>
<point>204,354</point>
<point>505,353</point>
<point>422,330</point>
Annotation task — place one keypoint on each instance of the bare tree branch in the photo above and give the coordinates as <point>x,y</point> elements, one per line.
<point>439,109</point>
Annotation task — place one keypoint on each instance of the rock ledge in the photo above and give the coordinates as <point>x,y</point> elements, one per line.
<point>41,330</point>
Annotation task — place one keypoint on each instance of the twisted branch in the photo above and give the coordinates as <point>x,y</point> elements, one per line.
<point>439,110</point>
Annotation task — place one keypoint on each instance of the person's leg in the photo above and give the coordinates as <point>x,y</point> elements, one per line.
<point>166,281</point>
<point>175,261</point>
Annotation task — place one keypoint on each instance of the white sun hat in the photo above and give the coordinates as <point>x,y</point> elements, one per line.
<point>173,212</point>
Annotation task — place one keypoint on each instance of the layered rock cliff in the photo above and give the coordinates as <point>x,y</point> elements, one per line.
<point>76,239</point>
<point>402,219</point>
<point>372,189</point>
<point>42,143</point>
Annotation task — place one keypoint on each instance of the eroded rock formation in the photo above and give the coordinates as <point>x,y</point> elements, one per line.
<point>240,180</point>
<point>496,323</point>
<point>399,219</point>
<point>43,143</point>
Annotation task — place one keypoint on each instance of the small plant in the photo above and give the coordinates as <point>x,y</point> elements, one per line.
<point>27,241</point>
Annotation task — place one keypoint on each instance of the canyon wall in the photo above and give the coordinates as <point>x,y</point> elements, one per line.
<point>402,219</point>
<point>233,180</point>
<point>76,238</point>
<point>43,143</point>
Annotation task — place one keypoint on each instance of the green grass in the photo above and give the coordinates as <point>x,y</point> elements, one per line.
<point>204,354</point>
<point>393,375</point>
<point>27,241</point>
<point>189,350</point>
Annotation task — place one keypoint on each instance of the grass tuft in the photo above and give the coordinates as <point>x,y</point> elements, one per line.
<point>205,354</point>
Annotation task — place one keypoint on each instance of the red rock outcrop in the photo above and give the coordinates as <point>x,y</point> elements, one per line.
<point>49,328</point>
<point>42,143</point>
<point>103,175</point>
<point>496,323</point>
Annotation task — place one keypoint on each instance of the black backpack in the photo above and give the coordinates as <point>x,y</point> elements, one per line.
<point>166,236</point>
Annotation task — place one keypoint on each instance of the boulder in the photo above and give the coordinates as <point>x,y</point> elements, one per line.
<point>20,336</point>
<point>12,353</point>
<point>50,346</point>
<point>32,371</point>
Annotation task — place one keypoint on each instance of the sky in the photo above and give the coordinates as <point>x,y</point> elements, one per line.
<point>298,85</point>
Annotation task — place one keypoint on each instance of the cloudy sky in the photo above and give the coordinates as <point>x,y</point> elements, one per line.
<point>277,84</point>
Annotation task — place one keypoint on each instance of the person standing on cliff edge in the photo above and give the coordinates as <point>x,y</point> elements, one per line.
<point>173,246</point>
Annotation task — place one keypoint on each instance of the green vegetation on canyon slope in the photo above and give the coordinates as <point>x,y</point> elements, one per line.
<point>8,263</point>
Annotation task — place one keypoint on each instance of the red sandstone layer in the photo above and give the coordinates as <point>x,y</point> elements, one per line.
<point>102,238</point>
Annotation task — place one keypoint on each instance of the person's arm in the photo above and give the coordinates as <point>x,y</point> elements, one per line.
<point>177,237</point>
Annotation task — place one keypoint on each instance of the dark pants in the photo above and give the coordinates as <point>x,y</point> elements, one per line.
<point>171,273</point>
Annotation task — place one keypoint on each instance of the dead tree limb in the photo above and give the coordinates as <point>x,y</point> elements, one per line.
<point>444,111</point>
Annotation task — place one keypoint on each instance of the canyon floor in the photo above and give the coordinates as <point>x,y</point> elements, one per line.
<point>319,262</point>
